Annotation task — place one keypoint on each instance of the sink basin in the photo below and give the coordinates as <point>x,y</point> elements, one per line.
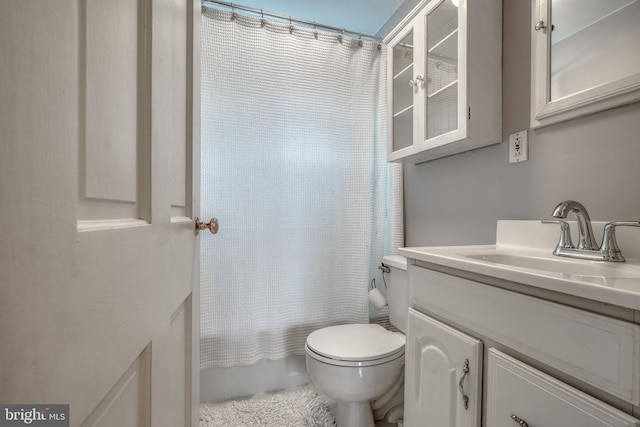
<point>523,254</point>
<point>580,268</point>
<point>563,266</point>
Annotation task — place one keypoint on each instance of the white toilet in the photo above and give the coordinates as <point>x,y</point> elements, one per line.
<point>358,364</point>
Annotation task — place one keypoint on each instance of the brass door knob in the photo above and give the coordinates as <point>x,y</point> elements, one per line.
<point>212,225</point>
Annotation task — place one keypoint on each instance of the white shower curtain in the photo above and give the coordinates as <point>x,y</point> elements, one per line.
<point>294,167</point>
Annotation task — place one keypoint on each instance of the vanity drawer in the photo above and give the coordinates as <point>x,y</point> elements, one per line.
<point>515,389</point>
<point>598,350</point>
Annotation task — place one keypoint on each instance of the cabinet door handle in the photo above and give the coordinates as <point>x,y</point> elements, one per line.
<point>519,420</point>
<point>418,81</point>
<point>465,371</point>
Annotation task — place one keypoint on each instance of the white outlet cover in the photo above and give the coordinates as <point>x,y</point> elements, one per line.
<point>518,147</point>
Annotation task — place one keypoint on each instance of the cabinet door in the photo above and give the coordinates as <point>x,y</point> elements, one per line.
<point>405,80</point>
<point>443,375</point>
<point>518,394</point>
<point>445,79</point>
<point>443,94</point>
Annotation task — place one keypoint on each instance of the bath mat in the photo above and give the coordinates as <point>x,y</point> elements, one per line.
<point>301,407</point>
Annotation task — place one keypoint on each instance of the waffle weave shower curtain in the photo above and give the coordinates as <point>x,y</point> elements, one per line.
<point>294,167</point>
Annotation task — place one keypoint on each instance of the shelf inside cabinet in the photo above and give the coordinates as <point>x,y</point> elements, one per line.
<point>406,72</point>
<point>402,54</point>
<point>447,47</point>
<point>403,129</point>
<point>407,110</point>
<point>442,23</point>
<point>442,111</point>
<point>442,89</point>
<point>402,91</point>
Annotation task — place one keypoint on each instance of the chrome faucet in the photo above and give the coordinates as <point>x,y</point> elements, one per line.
<point>585,232</point>
<point>587,246</point>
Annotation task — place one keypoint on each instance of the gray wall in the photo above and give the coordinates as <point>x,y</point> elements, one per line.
<point>593,159</point>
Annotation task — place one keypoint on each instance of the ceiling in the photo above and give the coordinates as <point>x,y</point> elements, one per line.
<point>359,16</point>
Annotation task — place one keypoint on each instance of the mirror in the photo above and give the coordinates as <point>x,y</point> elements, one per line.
<point>584,57</point>
<point>592,43</point>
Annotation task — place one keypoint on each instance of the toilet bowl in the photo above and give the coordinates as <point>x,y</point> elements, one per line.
<point>353,365</point>
<point>357,364</point>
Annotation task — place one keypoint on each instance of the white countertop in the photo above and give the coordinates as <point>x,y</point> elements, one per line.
<point>526,249</point>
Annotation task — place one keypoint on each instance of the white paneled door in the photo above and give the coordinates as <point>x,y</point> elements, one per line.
<point>99,184</point>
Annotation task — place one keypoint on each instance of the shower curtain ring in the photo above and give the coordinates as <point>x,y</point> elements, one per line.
<point>360,42</point>
<point>262,21</point>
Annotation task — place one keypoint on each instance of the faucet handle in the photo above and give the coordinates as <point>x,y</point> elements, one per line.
<point>565,234</point>
<point>609,244</point>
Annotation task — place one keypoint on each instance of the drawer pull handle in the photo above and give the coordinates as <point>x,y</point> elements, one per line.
<point>465,371</point>
<point>519,420</point>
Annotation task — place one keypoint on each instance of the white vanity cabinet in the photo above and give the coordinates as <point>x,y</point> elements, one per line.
<point>518,394</point>
<point>528,342</point>
<point>444,79</point>
<point>445,383</point>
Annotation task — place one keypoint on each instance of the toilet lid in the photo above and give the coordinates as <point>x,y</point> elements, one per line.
<point>356,342</point>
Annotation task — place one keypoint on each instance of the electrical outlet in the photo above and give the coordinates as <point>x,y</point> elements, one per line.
<point>518,147</point>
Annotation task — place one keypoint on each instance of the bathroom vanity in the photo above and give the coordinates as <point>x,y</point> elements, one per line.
<point>508,334</point>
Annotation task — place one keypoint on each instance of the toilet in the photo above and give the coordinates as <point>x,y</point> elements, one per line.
<point>361,366</point>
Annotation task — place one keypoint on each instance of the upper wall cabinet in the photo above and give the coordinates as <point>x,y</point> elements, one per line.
<point>445,79</point>
<point>584,57</point>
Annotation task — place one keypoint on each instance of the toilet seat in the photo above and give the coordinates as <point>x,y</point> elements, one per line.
<point>355,345</point>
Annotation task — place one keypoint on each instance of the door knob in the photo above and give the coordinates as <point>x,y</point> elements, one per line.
<point>212,226</point>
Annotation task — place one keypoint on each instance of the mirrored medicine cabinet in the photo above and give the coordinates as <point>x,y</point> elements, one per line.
<point>585,57</point>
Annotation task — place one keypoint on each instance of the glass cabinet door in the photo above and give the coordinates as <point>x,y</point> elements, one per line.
<point>403,88</point>
<point>441,103</point>
<point>444,80</point>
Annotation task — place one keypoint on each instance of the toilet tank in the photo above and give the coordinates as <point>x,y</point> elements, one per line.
<point>397,282</point>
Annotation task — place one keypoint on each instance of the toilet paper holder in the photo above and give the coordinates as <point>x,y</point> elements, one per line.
<point>384,268</point>
<point>375,296</point>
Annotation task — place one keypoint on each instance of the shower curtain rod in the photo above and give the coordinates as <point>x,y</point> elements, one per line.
<point>289,19</point>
